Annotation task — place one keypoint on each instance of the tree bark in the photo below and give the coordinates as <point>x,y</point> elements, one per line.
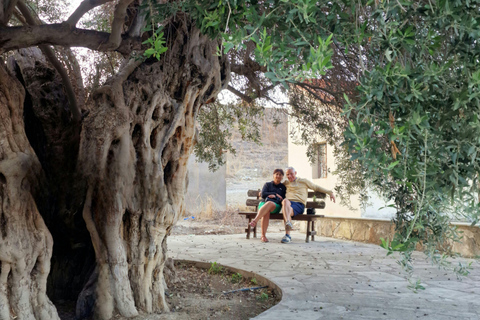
<point>55,138</point>
<point>25,242</point>
<point>60,34</point>
<point>134,149</point>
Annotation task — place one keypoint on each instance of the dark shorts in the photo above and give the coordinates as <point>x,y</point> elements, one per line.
<point>297,207</point>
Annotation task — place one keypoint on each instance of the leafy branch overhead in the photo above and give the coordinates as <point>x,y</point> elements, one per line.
<point>289,43</point>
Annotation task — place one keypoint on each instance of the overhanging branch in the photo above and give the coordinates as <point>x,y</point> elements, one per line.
<point>115,37</point>
<point>6,10</point>
<point>312,89</point>
<point>239,94</point>
<point>61,34</point>
<point>50,54</point>
<point>83,8</point>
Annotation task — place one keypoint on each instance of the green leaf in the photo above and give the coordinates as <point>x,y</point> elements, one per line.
<point>384,243</point>
<point>150,51</point>
<point>392,165</point>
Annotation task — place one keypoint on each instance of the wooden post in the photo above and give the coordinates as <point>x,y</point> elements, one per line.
<point>313,230</point>
<point>308,230</point>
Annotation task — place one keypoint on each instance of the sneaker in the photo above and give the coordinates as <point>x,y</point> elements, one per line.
<point>286,239</point>
<point>288,226</point>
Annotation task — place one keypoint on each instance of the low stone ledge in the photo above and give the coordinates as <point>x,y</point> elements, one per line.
<point>371,230</point>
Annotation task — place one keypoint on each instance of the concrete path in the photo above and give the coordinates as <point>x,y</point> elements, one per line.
<point>334,279</point>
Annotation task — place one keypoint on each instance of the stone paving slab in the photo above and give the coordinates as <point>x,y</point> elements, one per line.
<point>335,279</point>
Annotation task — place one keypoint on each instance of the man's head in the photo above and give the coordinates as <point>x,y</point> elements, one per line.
<point>291,174</point>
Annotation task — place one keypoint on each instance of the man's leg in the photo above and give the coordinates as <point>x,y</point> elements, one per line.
<point>287,213</point>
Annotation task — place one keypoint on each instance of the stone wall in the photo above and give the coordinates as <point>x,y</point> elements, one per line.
<point>371,230</point>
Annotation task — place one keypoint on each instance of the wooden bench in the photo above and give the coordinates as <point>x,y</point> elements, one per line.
<point>255,198</point>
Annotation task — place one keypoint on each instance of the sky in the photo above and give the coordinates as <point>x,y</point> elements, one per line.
<point>74,5</point>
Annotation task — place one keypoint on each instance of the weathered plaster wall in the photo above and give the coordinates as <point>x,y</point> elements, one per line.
<point>205,186</point>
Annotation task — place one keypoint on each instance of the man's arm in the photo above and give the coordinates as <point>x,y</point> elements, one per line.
<point>316,187</point>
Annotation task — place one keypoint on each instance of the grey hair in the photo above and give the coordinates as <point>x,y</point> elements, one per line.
<point>290,168</point>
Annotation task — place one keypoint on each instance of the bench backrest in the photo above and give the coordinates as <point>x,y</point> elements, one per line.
<point>319,203</point>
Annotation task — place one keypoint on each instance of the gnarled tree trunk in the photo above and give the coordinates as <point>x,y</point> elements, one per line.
<point>134,149</point>
<point>54,136</point>
<point>25,242</point>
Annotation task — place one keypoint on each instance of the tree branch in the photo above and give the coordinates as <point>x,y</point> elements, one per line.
<point>308,86</point>
<point>252,66</point>
<point>117,25</point>
<point>135,29</point>
<point>6,11</point>
<point>239,94</point>
<point>277,103</point>
<point>311,89</point>
<point>83,8</point>
<point>73,67</point>
<point>13,38</point>
<point>50,54</point>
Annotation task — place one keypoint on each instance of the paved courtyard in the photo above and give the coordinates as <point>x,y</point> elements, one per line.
<point>334,279</point>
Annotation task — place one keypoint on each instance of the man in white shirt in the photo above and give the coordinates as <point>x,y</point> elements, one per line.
<point>296,198</point>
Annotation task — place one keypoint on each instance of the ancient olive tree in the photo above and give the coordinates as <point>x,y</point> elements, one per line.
<point>91,181</point>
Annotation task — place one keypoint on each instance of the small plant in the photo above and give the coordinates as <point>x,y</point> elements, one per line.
<point>415,285</point>
<point>254,281</point>
<point>262,297</point>
<point>215,268</point>
<point>236,277</point>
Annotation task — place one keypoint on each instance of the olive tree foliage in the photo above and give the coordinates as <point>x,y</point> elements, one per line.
<point>292,50</point>
<point>415,129</point>
<point>398,100</point>
<point>93,170</point>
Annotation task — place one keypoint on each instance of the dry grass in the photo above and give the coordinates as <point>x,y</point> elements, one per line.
<point>209,212</point>
<point>208,207</point>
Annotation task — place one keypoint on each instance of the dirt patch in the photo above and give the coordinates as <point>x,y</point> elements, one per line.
<point>196,293</point>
